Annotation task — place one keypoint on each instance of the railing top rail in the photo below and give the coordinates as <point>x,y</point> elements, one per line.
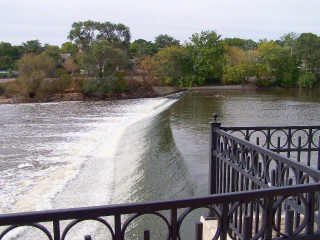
<point>271,127</point>
<point>119,209</point>
<point>312,172</point>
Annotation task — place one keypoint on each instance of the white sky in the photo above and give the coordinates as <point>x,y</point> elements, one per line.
<point>50,21</point>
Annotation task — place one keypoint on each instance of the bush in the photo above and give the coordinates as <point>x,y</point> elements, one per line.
<point>99,86</point>
<point>307,80</point>
<point>234,74</point>
<point>121,84</point>
<point>33,70</point>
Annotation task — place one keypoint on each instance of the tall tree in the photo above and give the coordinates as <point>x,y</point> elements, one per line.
<point>102,59</point>
<point>85,33</point>
<point>32,46</point>
<point>241,43</point>
<point>53,52</point>
<point>8,55</point>
<point>164,40</point>
<point>208,56</point>
<point>308,51</point>
<point>69,47</point>
<point>141,47</point>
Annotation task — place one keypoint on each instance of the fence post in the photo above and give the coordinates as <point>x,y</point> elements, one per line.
<point>212,155</point>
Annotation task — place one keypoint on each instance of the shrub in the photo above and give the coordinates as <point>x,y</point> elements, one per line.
<point>121,84</point>
<point>99,86</point>
<point>33,70</point>
<point>234,74</point>
<point>307,80</point>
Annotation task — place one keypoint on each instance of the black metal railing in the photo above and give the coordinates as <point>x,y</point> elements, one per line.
<point>250,158</point>
<point>300,143</point>
<point>257,192</point>
<point>239,165</point>
<point>242,215</point>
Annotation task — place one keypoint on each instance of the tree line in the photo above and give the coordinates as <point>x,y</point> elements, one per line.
<point>104,52</point>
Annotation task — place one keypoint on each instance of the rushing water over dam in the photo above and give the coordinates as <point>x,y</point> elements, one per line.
<point>74,154</point>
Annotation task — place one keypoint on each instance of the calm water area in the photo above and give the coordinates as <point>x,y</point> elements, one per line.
<point>74,154</point>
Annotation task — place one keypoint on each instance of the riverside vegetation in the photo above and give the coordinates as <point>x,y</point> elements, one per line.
<point>100,61</point>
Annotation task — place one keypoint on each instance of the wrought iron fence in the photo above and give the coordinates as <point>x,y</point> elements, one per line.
<point>241,215</point>
<point>238,164</point>
<point>253,197</point>
<point>300,143</point>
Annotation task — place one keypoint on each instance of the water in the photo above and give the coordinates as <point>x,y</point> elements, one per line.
<point>190,117</point>
<point>129,150</point>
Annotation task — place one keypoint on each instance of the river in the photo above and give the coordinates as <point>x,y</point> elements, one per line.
<point>51,154</point>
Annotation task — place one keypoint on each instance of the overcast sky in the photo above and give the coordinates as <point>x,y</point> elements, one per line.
<point>50,21</point>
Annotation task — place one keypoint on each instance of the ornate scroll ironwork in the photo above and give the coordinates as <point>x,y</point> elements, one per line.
<point>241,215</point>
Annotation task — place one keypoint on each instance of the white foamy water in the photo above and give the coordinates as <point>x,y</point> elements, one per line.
<point>61,155</point>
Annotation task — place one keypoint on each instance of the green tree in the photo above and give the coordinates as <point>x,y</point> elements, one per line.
<point>101,59</point>
<point>8,55</point>
<point>53,52</point>
<point>140,48</point>
<point>85,33</point>
<point>281,65</point>
<point>33,70</point>
<point>175,65</point>
<point>32,46</point>
<point>69,47</point>
<point>308,51</point>
<point>208,56</point>
<point>117,34</point>
<point>241,43</point>
<point>164,40</point>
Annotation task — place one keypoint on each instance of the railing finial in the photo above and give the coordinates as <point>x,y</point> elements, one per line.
<point>215,116</point>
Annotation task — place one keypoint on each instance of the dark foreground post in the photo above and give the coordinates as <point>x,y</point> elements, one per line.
<point>212,156</point>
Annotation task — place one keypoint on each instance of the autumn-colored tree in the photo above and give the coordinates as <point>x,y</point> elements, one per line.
<point>33,70</point>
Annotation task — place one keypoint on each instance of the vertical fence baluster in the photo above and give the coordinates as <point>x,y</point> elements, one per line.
<point>309,146</point>
<point>146,235</point>
<point>224,177</point>
<point>174,225</point>
<point>199,231</point>
<point>260,169</point>
<point>224,222</point>
<point>289,222</point>
<point>299,149</point>
<point>228,182</point>
<point>268,212</point>
<point>289,143</point>
<point>268,139</point>
<point>56,230</point>
<point>247,227</point>
<point>117,227</point>
<point>273,177</point>
<point>257,217</point>
<point>278,145</point>
<point>240,217</point>
<point>310,213</point>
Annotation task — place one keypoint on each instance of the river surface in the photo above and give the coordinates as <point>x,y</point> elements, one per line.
<point>74,154</point>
